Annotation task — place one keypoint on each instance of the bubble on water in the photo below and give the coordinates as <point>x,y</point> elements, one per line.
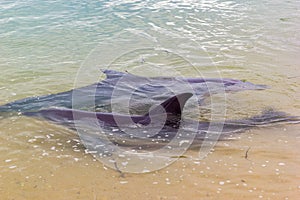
<point>45,154</point>
<point>197,162</point>
<point>31,140</point>
<point>170,23</point>
<point>183,141</point>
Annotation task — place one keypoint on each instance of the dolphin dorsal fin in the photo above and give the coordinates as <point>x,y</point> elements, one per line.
<point>173,105</point>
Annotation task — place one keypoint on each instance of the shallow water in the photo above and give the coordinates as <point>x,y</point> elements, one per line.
<point>43,45</point>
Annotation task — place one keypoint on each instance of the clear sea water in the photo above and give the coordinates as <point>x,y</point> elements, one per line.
<point>43,44</point>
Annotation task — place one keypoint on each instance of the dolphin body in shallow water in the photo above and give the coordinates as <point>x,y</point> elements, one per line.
<point>172,107</point>
<point>149,90</point>
<point>134,131</point>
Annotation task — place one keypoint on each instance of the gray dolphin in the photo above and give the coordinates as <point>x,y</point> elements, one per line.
<point>131,130</point>
<point>151,88</point>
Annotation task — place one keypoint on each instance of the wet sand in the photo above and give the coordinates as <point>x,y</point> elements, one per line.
<point>258,164</point>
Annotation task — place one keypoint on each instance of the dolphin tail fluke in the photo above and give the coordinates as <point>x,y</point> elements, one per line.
<point>266,118</point>
<point>271,116</point>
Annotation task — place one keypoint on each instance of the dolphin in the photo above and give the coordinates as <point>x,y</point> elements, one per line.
<point>134,130</point>
<point>119,127</point>
<point>172,107</point>
<point>152,89</point>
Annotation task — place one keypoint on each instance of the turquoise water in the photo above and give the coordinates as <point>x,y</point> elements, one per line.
<point>44,43</point>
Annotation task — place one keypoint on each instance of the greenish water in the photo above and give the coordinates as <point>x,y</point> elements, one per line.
<point>44,43</point>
